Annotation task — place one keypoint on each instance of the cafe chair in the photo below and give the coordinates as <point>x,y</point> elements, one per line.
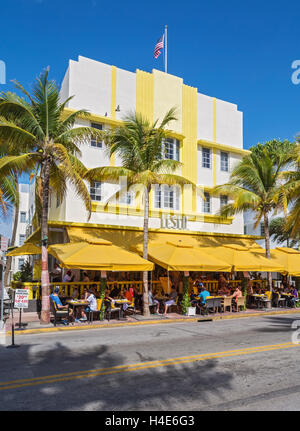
<point>58,314</point>
<point>111,309</point>
<point>97,312</point>
<point>174,308</point>
<point>227,303</point>
<point>240,302</point>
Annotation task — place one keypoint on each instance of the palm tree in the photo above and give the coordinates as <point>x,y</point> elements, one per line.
<point>255,185</point>
<point>281,232</point>
<point>140,146</point>
<point>48,144</point>
<point>293,189</point>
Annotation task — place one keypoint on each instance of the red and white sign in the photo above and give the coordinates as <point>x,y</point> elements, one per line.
<point>21,298</point>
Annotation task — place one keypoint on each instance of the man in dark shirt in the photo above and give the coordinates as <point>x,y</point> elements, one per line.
<point>115,292</point>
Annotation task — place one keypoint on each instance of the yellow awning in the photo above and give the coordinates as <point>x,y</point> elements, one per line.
<point>98,255</point>
<point>183,255</point>
<point>245,258</point>
<point>289,258</point>
<point>25,249</point>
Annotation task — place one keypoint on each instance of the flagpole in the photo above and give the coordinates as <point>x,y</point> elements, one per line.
<point>166,49</point>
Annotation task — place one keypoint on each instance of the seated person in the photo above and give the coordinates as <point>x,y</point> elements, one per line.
<point>153,301</point>
<point>95,291</point>
<point>236,294</point>
<point>85,293</point>
<point>91,307</point>
<point>172,300</point>
<point>194,297</point>
<point>202,297</point>
<point>225,290</point>
<point>115,292</point>
<point>55,298</point>
<point>127,294</point>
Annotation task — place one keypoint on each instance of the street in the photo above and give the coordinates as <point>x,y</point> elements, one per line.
<point>237,364</point>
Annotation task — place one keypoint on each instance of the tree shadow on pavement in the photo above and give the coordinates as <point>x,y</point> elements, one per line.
<point>277,324</point>
<point>152,388</point>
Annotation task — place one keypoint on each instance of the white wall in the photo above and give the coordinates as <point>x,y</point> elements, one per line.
<point>229,124</point>
<point>21,228</point>
<point>90,83</point>
<point>205,117</point>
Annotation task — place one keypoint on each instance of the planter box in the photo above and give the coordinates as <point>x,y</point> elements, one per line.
<point>191,311</point>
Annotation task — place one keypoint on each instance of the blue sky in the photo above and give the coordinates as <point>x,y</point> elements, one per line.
<point>237,51</point>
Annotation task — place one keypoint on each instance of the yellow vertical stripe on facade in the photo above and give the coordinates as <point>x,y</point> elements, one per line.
<point>214,152</point>
<point>215,141</point>
<point>113,104</point>
<point>144,94</point>
<point>167,95</point>
<point>189,146</point>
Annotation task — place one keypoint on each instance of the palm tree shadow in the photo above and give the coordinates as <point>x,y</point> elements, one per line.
<point>277,324</point>
<point>162,387</point>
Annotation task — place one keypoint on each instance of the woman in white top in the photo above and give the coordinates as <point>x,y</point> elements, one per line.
<point>91,307</point>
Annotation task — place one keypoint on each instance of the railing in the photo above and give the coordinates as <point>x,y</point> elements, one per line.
<point>67,288</point>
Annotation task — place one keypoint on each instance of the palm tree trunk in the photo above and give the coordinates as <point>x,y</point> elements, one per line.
<point>13,236</point>
<point>45,313</point>
<point>146,311</point>
<point>267,243</point>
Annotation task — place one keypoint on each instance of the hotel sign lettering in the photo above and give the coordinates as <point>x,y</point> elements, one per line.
<point>173,222</point>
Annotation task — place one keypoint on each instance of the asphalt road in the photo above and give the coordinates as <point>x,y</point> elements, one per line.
<point>239,364</point>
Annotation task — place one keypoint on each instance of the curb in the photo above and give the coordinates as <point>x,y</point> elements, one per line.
<point>150,322</point>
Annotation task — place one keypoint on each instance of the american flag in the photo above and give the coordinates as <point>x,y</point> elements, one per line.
<point>159,45</point>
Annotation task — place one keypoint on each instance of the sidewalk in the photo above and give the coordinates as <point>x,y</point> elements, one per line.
<point>33,324</point>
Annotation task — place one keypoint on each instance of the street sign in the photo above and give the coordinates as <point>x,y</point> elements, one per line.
<point>21,298</point>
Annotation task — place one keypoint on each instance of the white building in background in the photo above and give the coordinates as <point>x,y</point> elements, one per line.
<point>24,228</point>
<point>207,139</point>
<point>18,261</point>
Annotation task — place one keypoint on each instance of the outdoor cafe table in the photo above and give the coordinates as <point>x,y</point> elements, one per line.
<point>258,297</point>
<point>77,303</point>
<point>121,302</point>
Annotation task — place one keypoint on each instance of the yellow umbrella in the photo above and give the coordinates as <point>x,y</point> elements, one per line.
<point>98,255</point>
<point>289,258</point>
<point>27,248</point>
<point>245,258</point>
<point>183,255</point>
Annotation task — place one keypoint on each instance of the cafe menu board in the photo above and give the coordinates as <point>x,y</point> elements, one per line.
<point>21,298</point>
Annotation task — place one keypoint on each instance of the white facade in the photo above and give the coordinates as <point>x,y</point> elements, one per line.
<point>22,224</point>
<point>109,93</point>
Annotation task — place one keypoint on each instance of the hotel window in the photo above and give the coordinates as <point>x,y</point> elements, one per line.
<point>127,198</point>
<point>205,158</point>
<point>223,200</point>
<point>171,149</point>
<point>96,142</point>
<point>207,203</point>
<point>95,191</point>
<point>20,264</point>
<point>224,161</point>
<point>167,197</point>
<point>21,239</point>
<point>22,217</point>
<point>262,229</point>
